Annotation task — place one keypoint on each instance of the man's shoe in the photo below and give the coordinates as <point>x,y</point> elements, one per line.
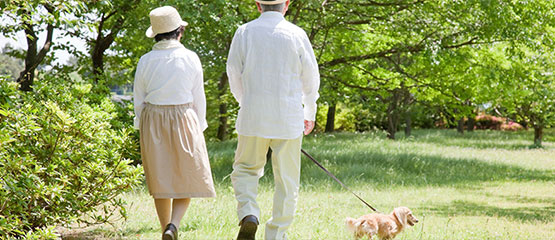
<point>170,233</point>
<point>248,228</point>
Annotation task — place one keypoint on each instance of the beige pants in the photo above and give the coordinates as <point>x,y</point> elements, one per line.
<point>250,159</point>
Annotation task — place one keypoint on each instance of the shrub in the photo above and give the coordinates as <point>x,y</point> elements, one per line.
<point>60,158</point>
<point>511,126</point>
<point>484,121</point>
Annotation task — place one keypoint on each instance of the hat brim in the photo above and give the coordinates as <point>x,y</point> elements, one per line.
<point>150,34</point>
<point>270,2</point>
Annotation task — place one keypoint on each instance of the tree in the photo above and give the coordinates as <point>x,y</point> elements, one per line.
<point>107,20</point>
<point>530,89</point>
<point>395,49</point>
<point>30,16</point>
<point>521,70</point>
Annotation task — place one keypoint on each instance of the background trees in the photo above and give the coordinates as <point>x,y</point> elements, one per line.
<point>384,56</point>
<point>31,17</point>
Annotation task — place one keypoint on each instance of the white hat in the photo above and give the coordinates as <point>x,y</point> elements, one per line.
<point>164,19</point>
<point>270,2</point>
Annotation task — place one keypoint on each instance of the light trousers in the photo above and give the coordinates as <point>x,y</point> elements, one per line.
<point>248,168</point>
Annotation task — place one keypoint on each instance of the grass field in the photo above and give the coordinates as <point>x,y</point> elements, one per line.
<point>480,185</point>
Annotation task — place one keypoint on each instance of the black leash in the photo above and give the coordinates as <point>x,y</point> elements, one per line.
<point>337,180</point>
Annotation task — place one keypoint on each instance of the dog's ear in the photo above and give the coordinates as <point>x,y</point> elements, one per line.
<point>401,215</point>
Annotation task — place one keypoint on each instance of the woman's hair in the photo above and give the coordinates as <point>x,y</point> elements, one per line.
<point>169,35</point>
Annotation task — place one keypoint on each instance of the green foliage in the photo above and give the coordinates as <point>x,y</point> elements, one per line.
<point>530,88</point>
<point>61,158</point>
<point>407,52</point>
<point>9,66</point>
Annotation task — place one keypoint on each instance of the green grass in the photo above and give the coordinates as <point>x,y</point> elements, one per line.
<point>480,185</point>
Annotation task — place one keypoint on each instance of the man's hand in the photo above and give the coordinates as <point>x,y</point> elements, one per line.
<point>308,126</point>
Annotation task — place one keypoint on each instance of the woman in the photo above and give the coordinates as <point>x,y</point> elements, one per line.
<point>170,112</point>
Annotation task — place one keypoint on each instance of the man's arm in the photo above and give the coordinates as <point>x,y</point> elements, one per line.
<point>235,66</point>
<point>310,83</point>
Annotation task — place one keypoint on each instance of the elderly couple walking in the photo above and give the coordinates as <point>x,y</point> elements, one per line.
<point>274,77</point>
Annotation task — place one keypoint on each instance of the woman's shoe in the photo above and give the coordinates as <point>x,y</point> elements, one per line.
<point>170,233</point>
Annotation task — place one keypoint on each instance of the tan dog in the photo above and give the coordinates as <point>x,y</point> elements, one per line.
<point>384,226</point>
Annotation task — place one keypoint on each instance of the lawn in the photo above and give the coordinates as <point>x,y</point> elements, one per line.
<point>480,185</point>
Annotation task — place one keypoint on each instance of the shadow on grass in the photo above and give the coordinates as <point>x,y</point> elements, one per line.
<point>139,231</point>
<point>522,199</point>
<point>385,170</point>
<point>355,163</point>
<point>90,234</point>
<point>108,233</point>
<point>468,208</point>
<point>480,139</point>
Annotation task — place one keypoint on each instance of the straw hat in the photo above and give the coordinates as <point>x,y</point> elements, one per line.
<point>270,2</point>
<point>164,19</point>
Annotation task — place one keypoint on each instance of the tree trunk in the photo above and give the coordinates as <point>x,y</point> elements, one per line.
<point>26,78</point>
<point>393,114</point>
<point>34,57</point>
<point>97,58</point>
<point>102,43</point>
<point>392,119</point>
<point>538,135</point>
<point>470,123</point>
<point>391,126</point>
<point>408,123</point>
<point>460,125</point>
<point>408,114</point>
<point>330,120</point>
<point>222,127</point>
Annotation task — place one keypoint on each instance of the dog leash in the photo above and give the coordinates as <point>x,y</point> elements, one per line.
<point>337,180</point>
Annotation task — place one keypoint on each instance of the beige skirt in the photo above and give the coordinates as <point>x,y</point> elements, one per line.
<point>174,153</point>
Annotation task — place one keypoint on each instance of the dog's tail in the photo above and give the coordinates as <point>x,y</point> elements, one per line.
<point>352,224</point>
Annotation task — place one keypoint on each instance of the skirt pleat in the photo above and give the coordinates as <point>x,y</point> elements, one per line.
<point>173,150</point>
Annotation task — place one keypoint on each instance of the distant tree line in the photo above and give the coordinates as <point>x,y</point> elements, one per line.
<point>392,64</point>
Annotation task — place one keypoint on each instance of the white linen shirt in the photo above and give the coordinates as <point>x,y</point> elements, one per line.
<point>170,74</point>
<point>272,73</point>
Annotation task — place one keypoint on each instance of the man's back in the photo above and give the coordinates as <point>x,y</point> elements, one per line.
<point>271,66</point>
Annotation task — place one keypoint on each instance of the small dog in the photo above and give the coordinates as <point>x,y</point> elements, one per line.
<point>386,227</point>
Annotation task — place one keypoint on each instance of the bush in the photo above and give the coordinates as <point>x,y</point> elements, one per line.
<point>484,121</point>
<point>60,158</point>
<point>511,126</point>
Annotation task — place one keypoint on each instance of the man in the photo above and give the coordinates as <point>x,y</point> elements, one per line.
<point>272,73</point>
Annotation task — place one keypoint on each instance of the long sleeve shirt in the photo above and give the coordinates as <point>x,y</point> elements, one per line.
<point>170,74</point>
<point>273,74</point>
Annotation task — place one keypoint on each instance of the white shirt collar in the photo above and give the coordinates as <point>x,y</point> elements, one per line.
<point>167,44</point>
<point>272,14</point>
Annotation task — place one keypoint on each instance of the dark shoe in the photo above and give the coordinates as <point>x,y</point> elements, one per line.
<point>170,233</point>
<point>248,228</point>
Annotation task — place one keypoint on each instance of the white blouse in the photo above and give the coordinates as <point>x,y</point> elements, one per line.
<point>170,74</point>
<point>273,74</point>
